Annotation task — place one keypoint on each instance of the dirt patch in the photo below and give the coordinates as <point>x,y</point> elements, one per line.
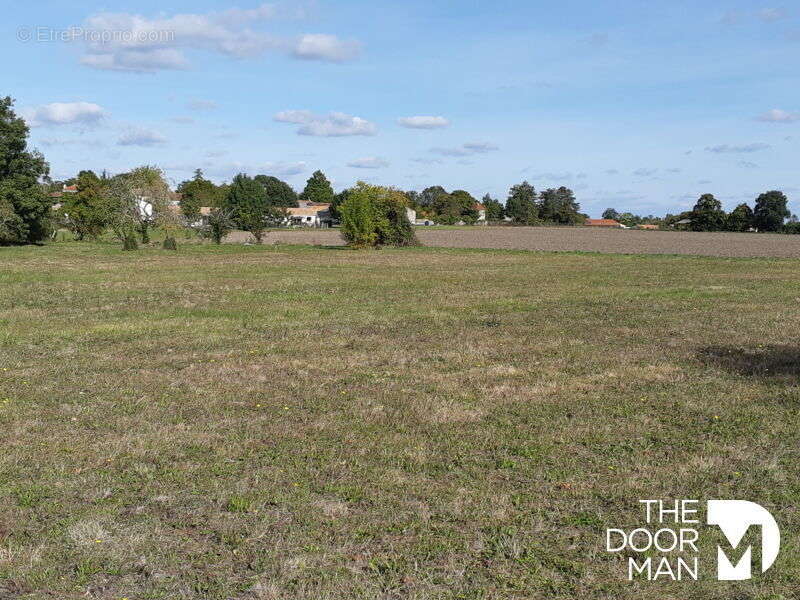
<point>611,241</point>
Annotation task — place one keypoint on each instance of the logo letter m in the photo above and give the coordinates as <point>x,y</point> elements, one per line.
<point>734,518</point>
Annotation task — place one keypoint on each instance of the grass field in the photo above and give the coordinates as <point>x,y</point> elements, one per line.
<point>318,423</point>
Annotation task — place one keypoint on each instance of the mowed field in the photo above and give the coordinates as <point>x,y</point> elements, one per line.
<point>292,422</point>
<point>583,239</point>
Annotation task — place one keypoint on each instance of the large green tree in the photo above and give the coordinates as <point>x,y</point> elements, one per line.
<point>456,206</point>
<point>429,195</point>
<point>24,204</point>
<point>247,205</point>
<point>770,211</point>
<point>707,214</point>
<point>740,218</point>
<point>521,204</point>
<point>279,193</point>
<point>558,205</point>
<point>87,210</point>
<point>318,189</point>
<point>611,213</point>
<point>197,193</point>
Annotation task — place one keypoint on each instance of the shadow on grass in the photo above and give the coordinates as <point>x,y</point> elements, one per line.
<point>780,363</point>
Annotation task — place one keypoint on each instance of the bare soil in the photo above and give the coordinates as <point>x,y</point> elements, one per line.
<point>584,239</point>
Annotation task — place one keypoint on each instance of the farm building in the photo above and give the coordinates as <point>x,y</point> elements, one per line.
<point>310,215</point>
<point>603,223</point>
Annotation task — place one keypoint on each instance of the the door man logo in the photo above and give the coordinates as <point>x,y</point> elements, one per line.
<point>734,518</point>
<point>673,532</point>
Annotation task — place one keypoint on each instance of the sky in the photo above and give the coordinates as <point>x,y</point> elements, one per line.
<point>637,105</point>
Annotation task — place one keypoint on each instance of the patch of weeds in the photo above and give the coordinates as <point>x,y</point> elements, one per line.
<point>239,504</point>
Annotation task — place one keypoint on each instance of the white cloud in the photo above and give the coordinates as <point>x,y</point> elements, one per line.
<point>298,117</point>
<point>64,113</point>
<point>423,122</point>
<point>770,15</point>
<point>70,142</point>
<point>130,42</point>
<point>745,149</point>
<point>137,61</point>
<point>777,115</point>
<point>335,124</point>
<point>141,137</point>
<point>197,104</point>
<point>371,162</point>
<point>480,147</point>
<point>320,46</point>
<point>467,149</point>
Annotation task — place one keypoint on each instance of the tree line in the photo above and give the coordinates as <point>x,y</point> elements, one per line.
<point>254,204</point>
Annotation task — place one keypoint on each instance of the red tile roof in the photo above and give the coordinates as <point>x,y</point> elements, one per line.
<point>601,223</point>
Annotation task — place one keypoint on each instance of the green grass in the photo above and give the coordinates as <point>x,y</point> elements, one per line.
<point>295,422</point>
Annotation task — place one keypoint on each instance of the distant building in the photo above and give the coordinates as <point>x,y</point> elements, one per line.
<point>648,226</point>
<point>309,214</point>
<point>481,210</point>
<point>603,223</point>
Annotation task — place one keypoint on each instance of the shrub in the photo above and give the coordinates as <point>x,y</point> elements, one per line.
<point>218,226</point>
<point>374,215</point>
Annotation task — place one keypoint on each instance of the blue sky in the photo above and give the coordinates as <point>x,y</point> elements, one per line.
<point>636,105</point>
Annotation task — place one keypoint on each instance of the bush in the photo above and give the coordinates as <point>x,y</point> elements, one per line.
<point>218,226</point>
<point>376,216</point>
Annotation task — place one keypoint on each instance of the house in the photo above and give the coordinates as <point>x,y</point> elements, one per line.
<point>682,224</point>
<point>309,214</point>
<point>481,210</point>
<point>648,226</point>
<point>603,223</point>
<point>65,189</point>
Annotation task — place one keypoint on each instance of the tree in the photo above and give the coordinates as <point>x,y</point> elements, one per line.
<point>740,218</point>
<point>770,211</point>
<point>494,209</point>
<point>248,207</point>
<point>24,204</point>
<point>358,217</point>
<point>428,196</point>
<point>153,197</point>
<point>391,222</point>
<point>218,225</point>
<point>196,193</point>
<point>374,215</point>
<point>279,193</point>
<point>87,210</point>
<point>466,204</point>
<point>454,207</point>
<point>521,204</point>
<point>337,202</point>
<point>124,210</point>
<point>318,189</point>
<point>707,214</point>
<point>559,206</point>
<point>610,213</point>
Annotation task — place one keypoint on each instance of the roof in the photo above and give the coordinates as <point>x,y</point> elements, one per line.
<point>683,222</point>
<point>308,211</point>
<point>478,206</point>
<point>71,188</point>
<point>602,223</point>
